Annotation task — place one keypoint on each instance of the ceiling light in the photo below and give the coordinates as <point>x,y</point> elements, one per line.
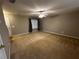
<point>41,16</point>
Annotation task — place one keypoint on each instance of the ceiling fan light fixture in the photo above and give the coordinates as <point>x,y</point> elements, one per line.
<point>41,16</point>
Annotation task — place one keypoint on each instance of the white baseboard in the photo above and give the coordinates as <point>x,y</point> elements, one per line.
<point>20,34</point>
<point>62,34</point>
<point>52,33</point>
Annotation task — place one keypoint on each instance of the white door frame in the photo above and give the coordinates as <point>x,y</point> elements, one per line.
<point>2,50</point>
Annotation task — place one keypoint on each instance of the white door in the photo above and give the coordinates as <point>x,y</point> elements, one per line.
<point>2,50</point>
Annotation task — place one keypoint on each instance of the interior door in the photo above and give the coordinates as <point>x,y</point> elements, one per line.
<point>2,50</point>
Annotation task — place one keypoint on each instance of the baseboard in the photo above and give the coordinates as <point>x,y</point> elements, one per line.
<point>62,34</point>
<point>20,34</point>
<point>51,33</point>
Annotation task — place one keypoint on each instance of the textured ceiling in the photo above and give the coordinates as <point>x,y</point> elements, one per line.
<point>30,7</point>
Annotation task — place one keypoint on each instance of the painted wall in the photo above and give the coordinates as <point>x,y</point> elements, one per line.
<point>4,33</point>
<point>67,24</point>
<point>17,24</point>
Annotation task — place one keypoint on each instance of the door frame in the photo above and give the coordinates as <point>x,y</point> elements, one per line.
<point>2,50</point>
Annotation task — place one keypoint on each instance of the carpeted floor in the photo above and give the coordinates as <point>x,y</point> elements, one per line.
<point>40,45</point>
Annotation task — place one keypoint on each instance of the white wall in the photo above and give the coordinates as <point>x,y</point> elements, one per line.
<point>17,24</point>
<point>4,33</point>
<point>6,17</point>
<point>67,24</point>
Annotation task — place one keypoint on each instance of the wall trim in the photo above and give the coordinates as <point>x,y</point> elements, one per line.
<point>19,34</point>
<point>51,33</point>
<point>62,34</point>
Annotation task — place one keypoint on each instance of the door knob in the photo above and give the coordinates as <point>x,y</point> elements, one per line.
<point>2,46</point>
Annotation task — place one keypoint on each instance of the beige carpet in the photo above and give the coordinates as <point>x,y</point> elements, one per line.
<point>40,45</point>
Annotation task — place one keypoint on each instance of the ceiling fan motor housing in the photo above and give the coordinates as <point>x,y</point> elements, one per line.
<point>12,1</point>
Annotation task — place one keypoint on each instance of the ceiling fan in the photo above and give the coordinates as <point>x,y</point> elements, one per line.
<point>43,13</point>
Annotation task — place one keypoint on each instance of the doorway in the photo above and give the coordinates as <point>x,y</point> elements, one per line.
<point>34,24</point>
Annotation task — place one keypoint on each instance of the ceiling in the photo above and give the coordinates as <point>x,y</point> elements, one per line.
<point>32,7</point>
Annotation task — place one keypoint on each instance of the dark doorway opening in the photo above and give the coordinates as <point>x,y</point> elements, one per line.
<point>34,24</point>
